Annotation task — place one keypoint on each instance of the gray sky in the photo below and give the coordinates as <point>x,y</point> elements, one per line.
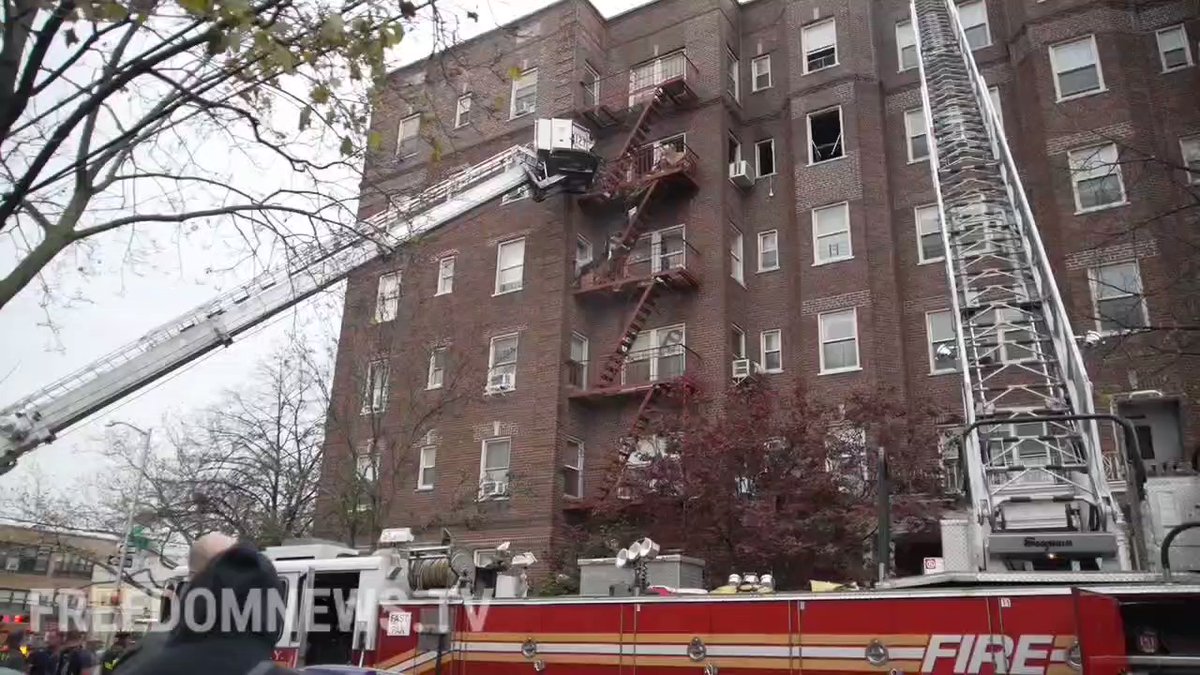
<point>122,296</point>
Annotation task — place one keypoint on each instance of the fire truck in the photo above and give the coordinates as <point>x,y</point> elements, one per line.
<point>1046,572</point>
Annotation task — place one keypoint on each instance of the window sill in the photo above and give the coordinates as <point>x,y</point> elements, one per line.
<point>406,156</point>
<point>364,413</point>
<point>1085,94</point>
<point>433,388</point>
<point>920,160</point>
<point>766,175</point>
<point>768,269</point>
<point>774,371</point>
<point>440,293</point>
<point>755,91</point>
<point>1104,207</point>
<point>425,488</point>
<point>832,261</point>
<point>905,70</point>
<point>517,116</point>
<point>839,371</point>
<point>1176,69</point>
<point>483,500</point>
<point>935,373</point>
<point>511,290</point>
<point>827,161</point>
<point>932,261</point>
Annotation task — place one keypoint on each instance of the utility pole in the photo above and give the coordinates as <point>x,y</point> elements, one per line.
<point>883,546</point>
<point>123,549</point>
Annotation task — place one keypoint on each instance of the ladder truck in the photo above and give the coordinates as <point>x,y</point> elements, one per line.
<point>559,159</point>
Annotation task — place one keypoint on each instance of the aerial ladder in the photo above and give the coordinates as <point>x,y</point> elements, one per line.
<point>558,160</point>
<point>1035,482</point>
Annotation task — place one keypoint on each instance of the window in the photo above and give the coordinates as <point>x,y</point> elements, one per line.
<point>930,247</point>
<point>973,16</point>
<point>732,75</point>
<point>1018,337</point>
<point>375,388</point>
<point>906,45</point>
<point>760,73</point>
<point>645,77</point>
<point>831,234</point>
<point>917,134</point>
<point>656,354</point>
<point>427,467</point>
<point>839,341</point>
<point>502,364</point>
<point>387,297</point>
<point>768,251</point>
<point>583,253</point>
<point>437,368</point>
<point>408,136</point>
<point>1117,297</point>
<point>572,469</point>
<point>737,342</point>
<point>462,112</point>
<point>1076,68</point>
<point>1173,49</point>
<point>825,135</point>
<point>591,85</point>
<point>524,93</point>
<point>764,154</point>
<point>734,150</point>
<point>735,255</point>
<point>493,468</point>
<point>366,461</point>
<point>943,344</point>
<point>1096,177</point>
<point>445,280</point>
<point>819,41</point>
<point>516,194</point>
<point>577,374</point>
<point>771,345</point>
<point>510,266</point>
<point>1189,149</point>
<point>994,96</point>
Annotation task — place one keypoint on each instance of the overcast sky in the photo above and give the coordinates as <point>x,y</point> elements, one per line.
<point>120,299</point>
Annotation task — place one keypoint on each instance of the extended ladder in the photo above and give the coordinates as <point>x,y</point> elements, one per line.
<point>1032,486</point>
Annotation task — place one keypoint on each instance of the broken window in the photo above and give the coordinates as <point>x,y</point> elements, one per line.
<point>825,135</point>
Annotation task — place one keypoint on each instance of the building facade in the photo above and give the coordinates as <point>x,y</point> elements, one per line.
<point>775,216</point>
<point>41,562</point>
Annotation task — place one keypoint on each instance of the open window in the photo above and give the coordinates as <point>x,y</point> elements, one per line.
<point>825,135</point>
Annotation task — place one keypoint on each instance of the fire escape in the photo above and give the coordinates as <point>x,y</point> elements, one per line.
<point>646,259</point>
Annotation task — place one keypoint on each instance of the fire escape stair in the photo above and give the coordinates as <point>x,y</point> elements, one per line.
<point>616,361</point>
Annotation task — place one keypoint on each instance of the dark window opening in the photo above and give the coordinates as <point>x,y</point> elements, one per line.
<point>825,135</point>
<point>822,58</point>
<point>766,157</point>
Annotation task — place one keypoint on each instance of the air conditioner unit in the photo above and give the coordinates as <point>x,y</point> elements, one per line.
<point>498,383</point>
<point>743,368</point>
<point>950,450</point>
<point>741,174</point>
<point>493,488</point>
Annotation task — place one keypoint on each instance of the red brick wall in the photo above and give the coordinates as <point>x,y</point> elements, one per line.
<point>891,291</point>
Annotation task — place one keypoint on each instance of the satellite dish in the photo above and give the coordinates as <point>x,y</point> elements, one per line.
<point>622,558</point>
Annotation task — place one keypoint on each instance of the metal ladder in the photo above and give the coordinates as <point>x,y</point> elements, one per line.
<point>1017,353</point>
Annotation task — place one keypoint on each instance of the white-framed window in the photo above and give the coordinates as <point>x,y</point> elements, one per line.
<point>510,266</point>
<point>408,137</point>
<point>583,252</point>
<point>437,368</point>
<point>375,387</point>
<point>1189,150</point>
<point>760,73</point>
<point>768,250</point>
<point>831,234</point>
<point>591,85</point>
<point>825,141</point>
<point>1076,66</point>
<point>973,16</point>
<point>572,469</point>
<point>770,344</point>
<point>387,297</point>
<point>494,462</point>
<point>578,373</point>
<point>733,148</point>
<point>1018,338</point>
<point>516,194</point>
<point>737,341</point>
<point>1173,48</point>
<point>426,467</point>
<point>994,95</point>
<point>502,363</point>
<point>366,461</point>
<point>462,111</point>
<point>819,41</point>
<point>656,354</point>
<point>445,281</point>
<point>736,268</point>
<point>524,93</point>
<point>764,157</point>
<point>943,344</point>
<point>930,247</point>
<point>732,75</point>
<point>917,134</point>
<point>1117,297</point>
<point>1096,177</point>
<point>906,45</point>
<point>839,341</point>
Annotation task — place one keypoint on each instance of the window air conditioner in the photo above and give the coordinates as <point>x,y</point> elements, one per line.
<point>741,174</point>
<point>493,488</point>
<point>743,368</point>
<point>498,383</point>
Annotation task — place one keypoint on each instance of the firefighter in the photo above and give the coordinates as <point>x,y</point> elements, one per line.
<point>13,651</point>
<point>110,657</point>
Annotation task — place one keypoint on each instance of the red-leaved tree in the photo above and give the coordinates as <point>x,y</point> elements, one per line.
<point>773,482</point>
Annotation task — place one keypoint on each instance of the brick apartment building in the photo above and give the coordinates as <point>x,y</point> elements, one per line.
<point>791,224</point>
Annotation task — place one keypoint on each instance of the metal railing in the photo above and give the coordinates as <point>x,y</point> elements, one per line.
<point>655,253</point>
<point>642,367</point>
<point>628,88</point>
<point>647,163</point>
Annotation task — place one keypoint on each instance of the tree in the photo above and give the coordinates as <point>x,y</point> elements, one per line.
<point>772,482</point>
<point>121,113</point>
